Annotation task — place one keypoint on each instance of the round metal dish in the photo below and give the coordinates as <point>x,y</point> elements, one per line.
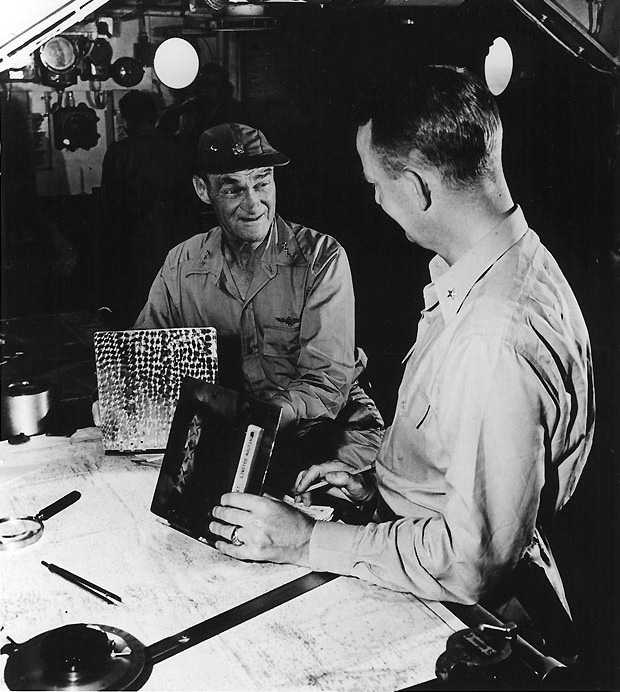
<point>78,657</point>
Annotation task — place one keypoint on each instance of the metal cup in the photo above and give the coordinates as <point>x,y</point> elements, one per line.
<point>27,406</point>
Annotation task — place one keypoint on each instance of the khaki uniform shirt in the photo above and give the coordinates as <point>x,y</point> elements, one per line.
<point>296,324</point>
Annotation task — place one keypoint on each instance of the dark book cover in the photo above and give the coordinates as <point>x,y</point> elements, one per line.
<point>220,441</point>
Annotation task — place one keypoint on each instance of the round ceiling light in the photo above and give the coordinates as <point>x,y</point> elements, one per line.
<point>176,63</point>
<point>58,54</point>
<point>498,66</point>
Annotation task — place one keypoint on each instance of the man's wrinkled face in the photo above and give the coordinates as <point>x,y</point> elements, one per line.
<point>244,202</point>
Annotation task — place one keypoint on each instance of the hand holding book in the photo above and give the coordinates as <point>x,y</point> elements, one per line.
<point>220,442</point>
<point>265,529</point>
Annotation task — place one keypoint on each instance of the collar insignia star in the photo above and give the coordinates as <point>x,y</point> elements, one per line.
<point>450,293</point>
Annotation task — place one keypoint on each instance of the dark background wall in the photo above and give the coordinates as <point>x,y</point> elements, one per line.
<point>560,140</point>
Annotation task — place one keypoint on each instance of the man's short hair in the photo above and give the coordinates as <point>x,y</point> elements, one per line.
<point>210,180</point>
<point>442,113</point>
<point>138,108</point>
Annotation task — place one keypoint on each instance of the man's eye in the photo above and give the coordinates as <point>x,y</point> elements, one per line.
<point>262,185</point>
<point>230,191</point>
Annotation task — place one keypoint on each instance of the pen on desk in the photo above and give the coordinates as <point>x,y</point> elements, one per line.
<point>104,594</point>
<point>322,484</point>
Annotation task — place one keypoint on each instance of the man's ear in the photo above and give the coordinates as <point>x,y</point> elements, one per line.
<point>201,189</point>
<point>419,183</point>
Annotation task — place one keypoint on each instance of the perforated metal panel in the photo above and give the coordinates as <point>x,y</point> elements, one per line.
<point>139,373</point>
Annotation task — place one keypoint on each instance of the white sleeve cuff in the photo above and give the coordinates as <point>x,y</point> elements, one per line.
<point>331,547</point>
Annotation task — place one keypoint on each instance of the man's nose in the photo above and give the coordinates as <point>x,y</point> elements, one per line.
<point>251,200</point>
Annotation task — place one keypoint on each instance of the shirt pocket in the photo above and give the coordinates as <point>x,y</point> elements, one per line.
<point>416,411</point>
<point>412,439</point>
<point>281,342</point>
<point>421,414</point>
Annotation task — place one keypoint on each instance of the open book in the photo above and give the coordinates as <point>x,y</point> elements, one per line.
<point>220,441</point>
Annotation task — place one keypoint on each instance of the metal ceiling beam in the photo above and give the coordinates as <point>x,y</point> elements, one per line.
<point>562,26</point>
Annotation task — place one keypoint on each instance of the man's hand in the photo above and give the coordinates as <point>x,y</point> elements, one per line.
<point>269,530</point>
<point>359,488</point>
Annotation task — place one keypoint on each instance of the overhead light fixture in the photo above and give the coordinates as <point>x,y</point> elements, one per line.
<point>58,54</point>
<point>176,63</point>
<point>35,22</point>
<point>127,72</point>
<point>58,58</point>
<point>498,66</point>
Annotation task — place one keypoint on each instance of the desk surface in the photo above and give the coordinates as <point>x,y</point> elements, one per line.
<point>344,635</point>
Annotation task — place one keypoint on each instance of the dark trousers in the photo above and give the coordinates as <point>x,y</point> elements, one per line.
<point>535,607</point>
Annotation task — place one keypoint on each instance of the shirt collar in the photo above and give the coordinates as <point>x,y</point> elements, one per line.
<point>282,246</point>
<point>210,259</point>
<point>451,284</point>
<point>282,249</point>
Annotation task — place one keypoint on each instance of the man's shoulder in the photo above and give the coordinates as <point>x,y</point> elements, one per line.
<point>522,299</point>
<point>116,149</point>
<point>314,245</point>
<point>189,250</point>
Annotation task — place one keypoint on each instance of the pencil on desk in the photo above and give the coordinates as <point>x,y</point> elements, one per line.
<point>322,484</point>
<point>99,591</point>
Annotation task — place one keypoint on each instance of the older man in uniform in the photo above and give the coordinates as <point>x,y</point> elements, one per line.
<point>282,291</point>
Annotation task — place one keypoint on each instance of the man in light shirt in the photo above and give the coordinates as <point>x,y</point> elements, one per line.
<point>495,412</point>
